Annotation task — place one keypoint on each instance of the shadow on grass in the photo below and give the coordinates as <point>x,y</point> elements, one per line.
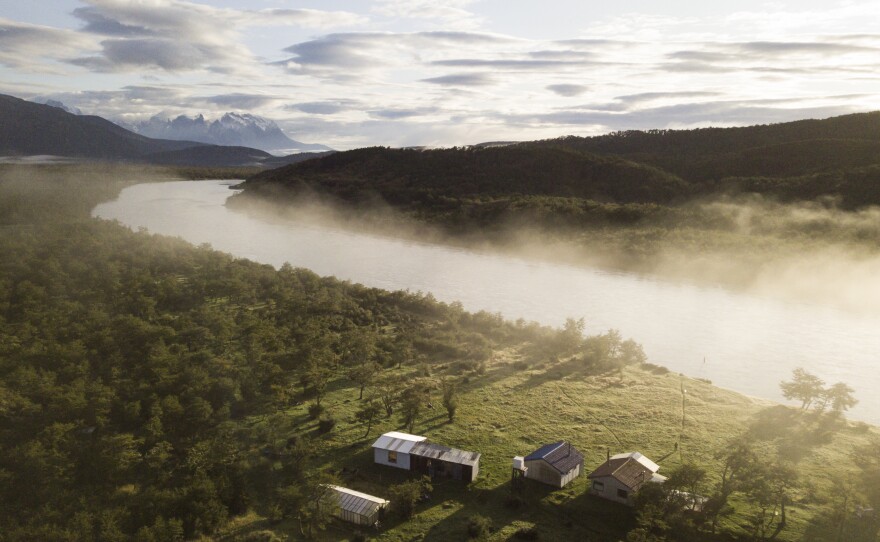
<point>796,432</point>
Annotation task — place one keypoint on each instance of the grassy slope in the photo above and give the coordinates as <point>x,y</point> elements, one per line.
<point>510,412</point>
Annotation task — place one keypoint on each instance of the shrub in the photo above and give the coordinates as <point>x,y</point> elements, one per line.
<point>326,424</point>
<point>315,410</point>
<point>527,533</point>
<point>359,537</point>
<point>479,526</point>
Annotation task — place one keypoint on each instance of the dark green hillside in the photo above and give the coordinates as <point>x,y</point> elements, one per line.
<point>401,176</point>
<point>777,150</point>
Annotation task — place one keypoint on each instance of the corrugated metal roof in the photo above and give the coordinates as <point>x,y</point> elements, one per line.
<point>397,442</point>
<point>357,502</point>
<point>561,455</point>
<point>653,467</point>
<point>631,469</point>
<point>445,453</point>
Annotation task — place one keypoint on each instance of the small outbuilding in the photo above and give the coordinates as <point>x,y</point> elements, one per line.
<point>393,449</point>
<point>359,508</point>
<point>444,462</point>
<point>554,464</point>
<point>622,475</point>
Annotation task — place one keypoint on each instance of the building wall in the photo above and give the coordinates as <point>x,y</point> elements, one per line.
<point>539,470</point>
<point>611,485</point>
<point>381,456</point>
<point>572,474</point>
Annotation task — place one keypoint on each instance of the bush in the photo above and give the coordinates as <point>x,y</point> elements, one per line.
<point>527,533</point>
<point>326,424</point>
<point>479,526</point>
<point>359,537</point>
<point>315,410</point>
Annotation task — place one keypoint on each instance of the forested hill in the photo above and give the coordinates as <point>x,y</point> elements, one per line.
<point>404,175</point>
<point>776,150</point>
<point>801,160</point>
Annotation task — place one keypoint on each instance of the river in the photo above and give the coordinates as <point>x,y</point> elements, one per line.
<point>738,341</point>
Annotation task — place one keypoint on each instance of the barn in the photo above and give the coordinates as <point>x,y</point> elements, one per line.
<point>554,464</point>
<point>622,475</point>
<point>393,449</point>
<point>444,462</point>
<point>359,508</point>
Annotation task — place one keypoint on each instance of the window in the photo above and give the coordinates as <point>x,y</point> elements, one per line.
<point>622,493</point>
<point>392,457</point>
<point>598,486</point>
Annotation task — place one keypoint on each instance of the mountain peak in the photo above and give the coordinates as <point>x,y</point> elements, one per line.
<point>59,105</point>
<point>241,129</point>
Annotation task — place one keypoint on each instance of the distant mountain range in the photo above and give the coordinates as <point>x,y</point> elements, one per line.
<point>30,129</point>
<point>238,129</point>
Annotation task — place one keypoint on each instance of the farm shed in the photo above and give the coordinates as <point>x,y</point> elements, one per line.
<point>622,475</point>
<point>442,461</point>
<point>393,449</point>
<point>359,508</point>
<point>555,464</point>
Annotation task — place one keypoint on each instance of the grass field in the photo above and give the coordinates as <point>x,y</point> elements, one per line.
<point>518,404</point>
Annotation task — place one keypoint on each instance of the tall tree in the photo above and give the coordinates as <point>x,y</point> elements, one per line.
<point>803,387</point>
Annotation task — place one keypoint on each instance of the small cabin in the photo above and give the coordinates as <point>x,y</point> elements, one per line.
<point>622,475</point>
<point>393,449</point>
<point>359,508</point>
<point>554,464</point>
<point>444,462</point>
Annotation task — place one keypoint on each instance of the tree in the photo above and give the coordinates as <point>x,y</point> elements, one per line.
<point>388,392</point>
<point>411,405</point>
<point>841,397</point>
<point>803,387</point>
<point>571,335</point>
<point>687,478</point>
<point>404,496</point>
<point>450,399</point>
<point>367,413</point>
<point>363,375</point>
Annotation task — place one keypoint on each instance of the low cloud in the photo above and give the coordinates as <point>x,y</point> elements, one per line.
<point>327,107</point>
<point>568,90</point>
<point>241,101</point>
<point>462,80</point>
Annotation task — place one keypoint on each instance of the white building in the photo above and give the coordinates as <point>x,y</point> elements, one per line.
<point>622,475</point>
<point>393,449</point>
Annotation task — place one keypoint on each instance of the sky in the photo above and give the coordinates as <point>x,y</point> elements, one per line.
<point>353,73</point>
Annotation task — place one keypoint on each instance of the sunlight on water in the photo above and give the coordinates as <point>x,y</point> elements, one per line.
<point>741,342</point>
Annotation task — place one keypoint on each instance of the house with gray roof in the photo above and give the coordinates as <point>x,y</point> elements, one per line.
<point>622,475</point>
<point>554,464</point>
<point>414,453</point>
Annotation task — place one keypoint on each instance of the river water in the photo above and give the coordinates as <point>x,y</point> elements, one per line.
<point>738,341</point>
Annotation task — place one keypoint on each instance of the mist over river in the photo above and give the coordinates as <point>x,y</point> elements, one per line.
<point>738,341</point>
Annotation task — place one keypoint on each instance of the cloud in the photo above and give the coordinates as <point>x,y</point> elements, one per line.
<point>395,113</point>
<point>28,46</point>
<point>240,100</point>
<point>177,35</point>
<point>446,13</point>
<point>513,64</point>
<point>327,107</point>
<point>718,113</point>
<point>462,79</point>
<point>99,24</point>
<point>568,90</point>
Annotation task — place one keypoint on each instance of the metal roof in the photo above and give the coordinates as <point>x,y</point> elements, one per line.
<point>561,455</point>
<point>357,502</point>
<point>653,467</point>
<point>445,453</point>
<point>631,469</point>
<point>397,442</point>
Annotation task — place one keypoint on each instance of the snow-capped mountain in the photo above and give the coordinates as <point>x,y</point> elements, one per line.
<point>59,105</point>
<point>238,129</point>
